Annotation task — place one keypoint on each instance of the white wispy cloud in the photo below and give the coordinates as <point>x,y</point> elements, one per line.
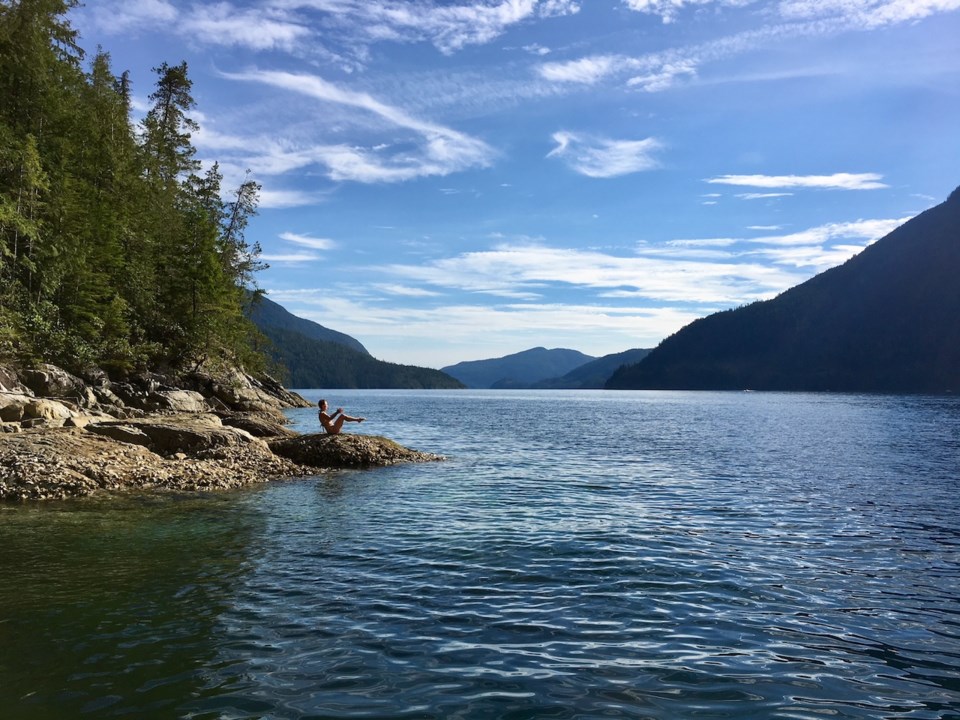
<point>864,230</point>
<point>665,75</point>
<point>837,181</point>
<point>603,157</point>
<point>815,257</point>
<point>292,25</point>
<point>279,199</point>
<point>866,14</point>
<point>557,8</point>
<point>122,17</point>
<point>532,268</point>
<point>290,258</point>
<point>658,71</point>
<point>709,271</point>
<point>669,9</point>
<point>223,23</point>
<point>586,70</point>
<point>308,241</point>
<point>448,26</point>
<point>762,196</point>
<point>441,150</point>
<point>654,72</point>
<point>405,290</point>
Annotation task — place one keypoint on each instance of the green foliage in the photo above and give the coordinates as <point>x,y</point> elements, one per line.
<point>114,250</point>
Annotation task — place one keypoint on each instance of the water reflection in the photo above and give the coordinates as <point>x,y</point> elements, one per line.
<point>113,606</point>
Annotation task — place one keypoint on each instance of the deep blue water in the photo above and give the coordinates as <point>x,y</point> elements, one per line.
<point>579,555</point>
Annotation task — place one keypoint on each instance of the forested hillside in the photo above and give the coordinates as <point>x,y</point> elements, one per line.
<point>887,320</point>
<point>115,248</point>
<point>267,314</point>
<point>325,364</point>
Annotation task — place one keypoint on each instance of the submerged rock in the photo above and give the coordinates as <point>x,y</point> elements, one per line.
<point>346,451</point>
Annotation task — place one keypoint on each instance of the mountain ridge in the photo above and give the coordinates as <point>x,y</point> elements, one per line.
<point>883,321</point>
<point>520,369</point>
<point>315,356</point>
<point>266,312</point>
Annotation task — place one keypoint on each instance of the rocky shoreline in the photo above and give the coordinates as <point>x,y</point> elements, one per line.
<point>64,436</point>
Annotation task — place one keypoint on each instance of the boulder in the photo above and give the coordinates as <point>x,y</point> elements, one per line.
<point>258,425</point>
<point>12,405</point>
<point>245,399</point>
<point>46,409</point>
<point>10,382</point>
<point>242,392</point>
<point>123,433</point>
<point>106,396</point>
<point>181,401</point>
<point>346,451</point>
<point>49,381</point>
<point>79,421</point>
<point>275,389</point>
<point>190,434</point>
<point>129,395</point>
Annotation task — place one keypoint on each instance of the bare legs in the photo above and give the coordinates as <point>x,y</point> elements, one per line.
<point>333,427</point>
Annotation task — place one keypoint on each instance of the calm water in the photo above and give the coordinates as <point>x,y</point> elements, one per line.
<point>580,555</point>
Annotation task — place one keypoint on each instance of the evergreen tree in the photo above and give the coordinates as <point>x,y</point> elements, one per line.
<point>114,248</point>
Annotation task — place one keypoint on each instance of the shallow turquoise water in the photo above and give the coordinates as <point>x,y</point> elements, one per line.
<point>580,555</point>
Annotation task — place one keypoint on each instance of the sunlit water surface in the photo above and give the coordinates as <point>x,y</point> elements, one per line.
<point>579,555</point>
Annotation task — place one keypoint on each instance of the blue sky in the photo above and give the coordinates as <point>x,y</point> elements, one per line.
<point>458,180</point>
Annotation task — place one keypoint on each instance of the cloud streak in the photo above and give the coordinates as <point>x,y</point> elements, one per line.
<point>837,181</point>
<point>308,241</point>
<point>448,26</point>
<point>598,157</point>
<point>719,272</point>
<point>440,150</point>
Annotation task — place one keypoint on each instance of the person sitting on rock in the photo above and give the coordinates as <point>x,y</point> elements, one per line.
<point>333,423</point>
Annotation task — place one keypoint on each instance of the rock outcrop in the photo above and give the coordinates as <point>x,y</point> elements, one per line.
<point>65,436</point>
<point>71,462</point>
<point>346,451</point>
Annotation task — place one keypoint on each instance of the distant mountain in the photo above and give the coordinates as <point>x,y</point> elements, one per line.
<point>594,374</point>
<point>887,320</point>
<point>518,370</point>
<point>266,313</point>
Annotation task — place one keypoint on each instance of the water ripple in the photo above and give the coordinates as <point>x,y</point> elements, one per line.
<point>697,555</point>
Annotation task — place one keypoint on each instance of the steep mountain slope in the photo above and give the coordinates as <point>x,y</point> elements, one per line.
<point>887,320</point>
<point>520,369</point>
<point>323,364</point>
<point>266,313</point>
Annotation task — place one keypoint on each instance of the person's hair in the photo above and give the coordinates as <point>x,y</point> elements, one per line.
<point>321,402</point>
